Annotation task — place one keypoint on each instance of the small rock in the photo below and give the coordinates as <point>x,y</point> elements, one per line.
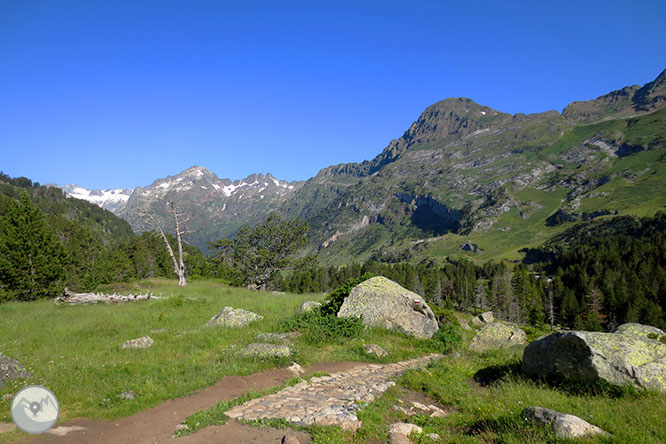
<point>405,428</point>
<point>180,427</point>
<point>142,342</point>
<point>483,319</point>
<point>565,426</point>
<point>129,394</point>
<point>233,317</point>
<point>295,368</point>
<point>10,369</point>
<point>282,338</point>
<point>261,350</point>
<point>63,430</point>
<point>290,439</point>
<point>399,432</point>
<point>375,350</point>
<point>7,396</point>
<point>433,436</point>
<point>309,306</point>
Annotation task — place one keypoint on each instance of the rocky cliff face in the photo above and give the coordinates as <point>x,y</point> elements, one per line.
<point>463,169</point>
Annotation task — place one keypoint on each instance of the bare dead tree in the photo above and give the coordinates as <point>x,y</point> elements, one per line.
<point>550,307</point>
<point>178,264</point>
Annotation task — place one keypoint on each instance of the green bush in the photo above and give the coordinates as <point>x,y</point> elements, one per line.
<point>448,337</point>
<point>335,298</point>
<point>322,325</point>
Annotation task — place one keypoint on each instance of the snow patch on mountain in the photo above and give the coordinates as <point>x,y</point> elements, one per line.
<point>112,199</point>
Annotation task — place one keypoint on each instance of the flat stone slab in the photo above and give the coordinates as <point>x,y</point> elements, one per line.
<point>328,400</point>
<point>142,342</point>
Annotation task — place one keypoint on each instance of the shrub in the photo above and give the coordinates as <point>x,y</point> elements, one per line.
<point>335,298</point>
<point>322,325</point>
<point>447,338</point>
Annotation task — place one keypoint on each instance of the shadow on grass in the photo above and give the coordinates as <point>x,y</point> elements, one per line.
<point>490,375</point>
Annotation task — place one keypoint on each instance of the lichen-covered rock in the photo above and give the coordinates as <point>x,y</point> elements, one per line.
<point>497,335</point>
<point>261,350</point>
<point>279,338</point>
<point>626,357</point>
<point>375,350</point>
<point>483,319</point>
<point>142,342</point>
<point>565,426</point>
<point>383,303</point>
<point>233,317</point>
<point>309,306</point>
<point>10,369</point>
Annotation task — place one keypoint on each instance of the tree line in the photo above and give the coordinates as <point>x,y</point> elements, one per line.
<point>594,276</point>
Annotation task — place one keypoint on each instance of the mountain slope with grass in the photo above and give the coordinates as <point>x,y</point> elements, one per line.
<point>464,173</point>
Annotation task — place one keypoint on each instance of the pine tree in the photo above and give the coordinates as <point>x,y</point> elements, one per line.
<point>31,259</point>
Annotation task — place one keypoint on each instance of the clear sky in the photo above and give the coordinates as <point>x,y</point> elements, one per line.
<point>117,93</point>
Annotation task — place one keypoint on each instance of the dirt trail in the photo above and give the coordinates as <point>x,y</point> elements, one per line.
<point>157,425</point>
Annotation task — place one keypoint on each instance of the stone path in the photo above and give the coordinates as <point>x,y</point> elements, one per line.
<point>328,400</point>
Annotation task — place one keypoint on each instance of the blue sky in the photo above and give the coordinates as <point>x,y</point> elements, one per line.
<point>118,93</point>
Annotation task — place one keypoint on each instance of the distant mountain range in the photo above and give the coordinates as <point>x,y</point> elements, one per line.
<point>462,176</point>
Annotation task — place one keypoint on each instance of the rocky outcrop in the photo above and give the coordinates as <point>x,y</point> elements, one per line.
<point>375,350</point>
<point>632,355</point>
<point>142,342</point>
<point>399,432</point>
<point>383,303</point>
<point>233,317</point>
<point>10,369</point>
<point>262,350</point>
<point>565,426</point>
<point>497,335</point>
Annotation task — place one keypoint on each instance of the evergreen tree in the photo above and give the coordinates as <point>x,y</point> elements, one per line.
<point>31,259</point>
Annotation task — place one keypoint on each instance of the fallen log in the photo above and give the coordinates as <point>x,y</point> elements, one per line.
<point>70,297</point>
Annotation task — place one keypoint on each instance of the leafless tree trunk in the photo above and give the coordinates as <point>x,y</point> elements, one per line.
<point>550,307</point>
<point>178,264</point>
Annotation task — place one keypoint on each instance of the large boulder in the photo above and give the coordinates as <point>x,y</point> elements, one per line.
<point>10,369</point>
<point>233,317</point>
<point>497,335</point>
<point>383,303</point>
<point>632,355</point>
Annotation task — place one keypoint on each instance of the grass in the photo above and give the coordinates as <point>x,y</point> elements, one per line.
<point>75,351</point>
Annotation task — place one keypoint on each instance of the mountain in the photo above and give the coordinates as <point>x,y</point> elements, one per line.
<point>465,174</point>
<point>112,200</point>
<point>53,201</point>
<point>214,208</point>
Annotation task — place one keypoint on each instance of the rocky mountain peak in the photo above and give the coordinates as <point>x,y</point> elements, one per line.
<point>624,102</point>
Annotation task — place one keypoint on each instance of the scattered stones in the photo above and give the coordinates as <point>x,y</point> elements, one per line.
<point>421,409</point>
<point>565,426</point>
<point>142,342</point>
<point>497,335</point>
<point>309,306</point>
<point>483,319</point>
<point>383,303</point>
<point>400,431</point>
<point>328,400</point>
<point>263,350</point>
<point>626,357</point>
<point>282,338</point>
<point>296,369</point>
<point>64,430</point>
<point>233,317</point>
<point>375,350</point>
<point>10,369</point>
<point>129,394</point>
